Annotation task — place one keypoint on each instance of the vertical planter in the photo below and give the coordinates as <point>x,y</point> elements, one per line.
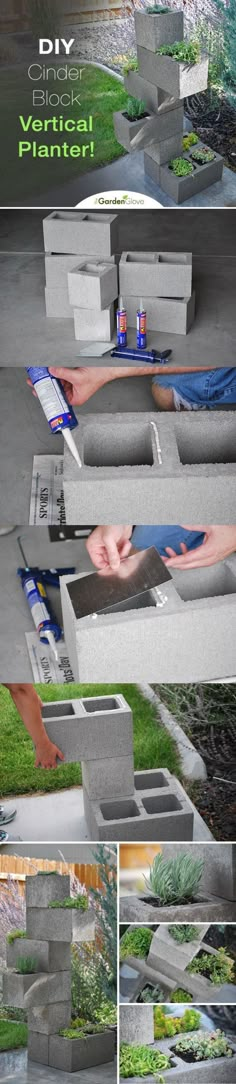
<point>160,29</point>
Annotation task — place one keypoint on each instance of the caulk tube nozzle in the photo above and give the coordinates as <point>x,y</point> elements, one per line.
<point>52,643</point>
<point>121,306</point>
<point>71,445</point>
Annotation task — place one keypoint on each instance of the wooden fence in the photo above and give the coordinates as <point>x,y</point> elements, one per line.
<point>14,14</point>
<point>19,867</point>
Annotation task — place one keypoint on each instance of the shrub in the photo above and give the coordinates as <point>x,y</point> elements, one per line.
<point>105,904</point>
<point>205,1046</point>
<point>152,994</point>
<point>26,965</point>
<point>130,65</point>
<point>135,108</point>
<point>79,902</point>
<point>220,968</point>
<point>180,995</point>
<point>172,880</point>
<point>136,942</point>
<point>186,51</point>
<point>228,49</point>
<point>14,934</point>
<point>167,1026</point>
<point>191,1020</point>
<point>180,167</point>
<point>183,933</point>
<point>141,1061</point>
<point>189,140</point>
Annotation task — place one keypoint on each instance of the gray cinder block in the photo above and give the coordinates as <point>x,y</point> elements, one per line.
<point>109,778</point>
<point>211,1071</point>
<point>46,1019</point>
<point>58,266</point>
<point>92,324</point>
<point>166,149</point>
<point>183,188</point>
<point>177,78</point>
<point>136,1024</point>
<point>38,1046</point>
<point>170,315</point>
<point>150,813</point>
<point>15,987</point>
<point>126,130</point>
<point>90,728</point>
<point>141,909</point>
<point>71,1055</point>
<point>61,924</point>
<point>200,611</point>
<point>83,232</point>
<point>42,888</point>
<point>165,949</point>
<point>147,92</point>
<point>92,285</point>
<point>57,303</point>
<point>50,956</point>
<point>160,29</point>
<point>46,989</point>
<point>156,274</point>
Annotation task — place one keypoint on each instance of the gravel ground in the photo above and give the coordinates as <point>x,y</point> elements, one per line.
<point>107,42</point>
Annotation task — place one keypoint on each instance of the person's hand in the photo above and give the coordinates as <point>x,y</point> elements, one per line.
<point>107,546</point>
<point>46,754</point>
<point>79,384</point>
<point>219,542</point>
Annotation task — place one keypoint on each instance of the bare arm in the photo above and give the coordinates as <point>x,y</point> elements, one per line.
<point>29,706</point>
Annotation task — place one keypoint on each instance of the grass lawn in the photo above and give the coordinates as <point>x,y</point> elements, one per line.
<point>153,746</point>
<point>12,1035</point>
<point>100,95</point>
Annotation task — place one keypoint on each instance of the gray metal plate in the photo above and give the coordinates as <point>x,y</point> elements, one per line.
<point>104,590</point>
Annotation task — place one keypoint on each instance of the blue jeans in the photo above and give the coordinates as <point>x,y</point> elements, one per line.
<point>201,391</point>
<point>170,535</point>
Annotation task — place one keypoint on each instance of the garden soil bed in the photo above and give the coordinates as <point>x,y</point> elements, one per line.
<point>216,800</point>
<point>219,132</point>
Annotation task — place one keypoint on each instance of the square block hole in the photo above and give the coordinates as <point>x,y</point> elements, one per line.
<point>209,582</point>
<point>173,257</point>
<point>138,602</point>
<point>165,804</point>
<point>105,703</point>
<point>52,711</point>
<point>142,257</point>
<point>148,782</point>
<point>117,811</point>
<point>217,447</point>
<point>118,445</point>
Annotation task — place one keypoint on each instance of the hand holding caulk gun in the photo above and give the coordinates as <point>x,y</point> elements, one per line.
<point>33,582</point>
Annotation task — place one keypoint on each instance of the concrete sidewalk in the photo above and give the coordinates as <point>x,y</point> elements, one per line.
<point>14,1063</point>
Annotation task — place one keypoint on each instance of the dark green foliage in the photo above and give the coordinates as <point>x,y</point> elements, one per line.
<point>183,933</point>
<point>136,942</point>
<point>14,934</point>
<point>187,52</point>
<point>26,965</point>
<point>80,903</point>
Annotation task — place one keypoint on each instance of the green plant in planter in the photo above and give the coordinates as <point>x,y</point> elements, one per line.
<point>183,933</point>
<point>174,880</point>
<point>14,934</point>
<point>180,995</point>
<point>26,965</point>
<point>130,65</point>
<point>219,968</point>
<point>204,1046</point>
<point>181,167</point>
<point>155,994</point>
<point>141,1061</point>
<point>188,52</point>
<point>190,1020</point>
<point>204,154</point>
<point>189,140</point>
<point>136,943</point>
<point>81,1032</point>
<point>48,873</point>
<point>80,903</point>
<point>135,109</point>
<point>156,9</point>
<point>168,1026</point>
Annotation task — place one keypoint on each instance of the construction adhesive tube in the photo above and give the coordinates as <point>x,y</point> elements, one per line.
<point>60,415</point>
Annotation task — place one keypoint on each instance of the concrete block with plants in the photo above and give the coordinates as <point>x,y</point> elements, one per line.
<point>42,888</point>
<point>74,1053</point>
<point>155,27</point>
<point>178,78</point>
<point>183,939</point>
<point>153,97</point>
<point>176,892</point>
<point>61,923</point>
<point>15,986</point>
<point>92,285</point>
<point>81,232</point>
<point>49,1018</point>
<point>132,122</point>
<point>186,175</point>
<point>156,274</point>
<point>51,956</point>
<point>91,324</point>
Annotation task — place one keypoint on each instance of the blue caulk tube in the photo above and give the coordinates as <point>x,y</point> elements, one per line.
<point>47,628</point>
<point>141,327</point>
<point>59,413</point>
<point>121,324</point>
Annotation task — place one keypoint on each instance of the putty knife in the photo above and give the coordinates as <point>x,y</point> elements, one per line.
<point>96,350</point>
<point>103,591</point>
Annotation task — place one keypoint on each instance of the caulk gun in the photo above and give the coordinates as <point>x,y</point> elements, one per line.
<point>33,582</point>
<point>130,354</point>
<point>57,410</point>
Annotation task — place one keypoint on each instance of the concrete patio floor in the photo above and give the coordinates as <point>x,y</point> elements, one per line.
<point>14,1063</point>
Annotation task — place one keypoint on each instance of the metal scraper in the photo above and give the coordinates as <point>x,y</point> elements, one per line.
<point>106,590</point>
<point>96,350</point>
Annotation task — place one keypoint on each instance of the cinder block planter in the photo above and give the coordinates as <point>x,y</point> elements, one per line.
<point>92,285</point>
<point>157,274</point>
<point>82,232</point>
<point>47,990</point>
<point>61,924</point>
<point>41,889</point>
<point>136,1025</point>
<point>90,324</point>
<point>141,909</point>
<point>182,188</point>
<point>153,812</point>
<point>58,266</point>
<point>166,149</point>
<point>57,303</point>
<point>152,96</point>
<point>215,1070</point>
<point>50,1018</point>
<point>90,728</point>
<point>71,1055</point>
<point>164,949</point>
<point>164,314</point>
<point>109,778</point>
<point>15,987</point>
<point>200,609</point>
<point>38,1047</point>
<point>154,30</point>
<point>50,956</point>
<point>126,130</point>
<point>177,78</point>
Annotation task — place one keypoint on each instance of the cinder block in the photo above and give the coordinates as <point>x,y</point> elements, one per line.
<point>38,1046</point>
<point>151,813</point>
<point>141,909</point>
<point>58,266</point>
<point>109,778</point>
<point>147,92</point>
<point>183,188</point>
<point>47,989</point>
<point>15,987</point>
<point>50,956</point>
<point>92,324</point>
<point>219,870</point>
<point>93,285</point>
<point>127,130</point>
<point>211,1071</point>
<point>170,315</point>
<point>91,728</point>
<point>156,274</point>
<point>57,304</point>
<point>71,1055</point>
<point>47,1019</point>
<point>166,149</point>
<point>83,232</point>
<point>177,78</point>
<point>136,1024</point>
<point>154,30</point>
<point>165,949</point>
<point>61,924</point>
<point>200,611</point>
<point>42,888</point>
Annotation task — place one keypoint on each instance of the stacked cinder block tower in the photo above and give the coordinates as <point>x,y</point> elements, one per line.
<point>46,993</point>
<point>81,272</point>
<point>162,83</point>
<point>118,802</point>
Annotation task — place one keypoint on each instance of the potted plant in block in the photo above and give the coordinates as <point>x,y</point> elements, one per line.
<point>80,1047</point>
<point>157,24</point>
<point>128,124</point>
